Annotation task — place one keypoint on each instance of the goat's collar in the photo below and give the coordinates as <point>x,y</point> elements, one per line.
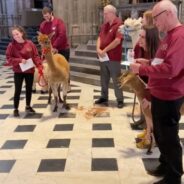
<point>46,50</point>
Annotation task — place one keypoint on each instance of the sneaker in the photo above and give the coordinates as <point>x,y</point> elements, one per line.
<point>159,171</point>
<point>30,109</point>
<point>16,113</point>
<point>120,104</point>
<point>102,101</point>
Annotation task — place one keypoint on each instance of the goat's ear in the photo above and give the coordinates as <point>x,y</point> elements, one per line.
<point>51,35</point>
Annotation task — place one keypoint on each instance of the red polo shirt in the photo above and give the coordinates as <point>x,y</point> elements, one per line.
<point>59,39</point>
<point>166,76</point>
<point>107,34</point>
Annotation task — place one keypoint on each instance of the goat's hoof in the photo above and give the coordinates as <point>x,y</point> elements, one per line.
<point>33,90</point>
<point>67,107</point>
<point>55,109</point>
<point>144,144</point>
<point>43,92</point>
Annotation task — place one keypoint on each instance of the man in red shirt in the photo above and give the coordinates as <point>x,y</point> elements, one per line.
<point>57,27</point>
<point>166,84</point>
<point>109,49</point>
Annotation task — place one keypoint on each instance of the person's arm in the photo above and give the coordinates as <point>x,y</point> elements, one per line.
<point>35,56</point>
<point>172,64</point>
<point>112,45</point>
<point>100,52</point>
<point>61,36</point>
<point>115,42</point>
<point>10,57</point>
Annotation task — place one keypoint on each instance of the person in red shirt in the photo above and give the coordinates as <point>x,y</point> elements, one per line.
<point>57,27</point>
<point>166,84</point>
<point>109,43</point>
<point>18,52</point>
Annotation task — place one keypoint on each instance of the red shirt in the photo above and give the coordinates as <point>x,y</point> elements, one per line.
<point>139,52</point>
<point>166,77</point>
<point>107,34</point>
<point>59,39</point>
<point>15,52</point>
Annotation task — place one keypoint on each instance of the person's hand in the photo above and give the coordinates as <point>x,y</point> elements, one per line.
<point>135,67</point>
<point>142,61</point>
<point>23,61</point>
<point>146,104</point>
<point>101,53</point>
<point>54,51</point>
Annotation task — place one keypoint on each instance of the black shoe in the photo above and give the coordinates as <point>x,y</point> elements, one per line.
<point>159,171</point>
<point>162,181</point>
<point>43,92</point>
<point>16,113</point>
<point>30,109</point>
<point>169,181</point>
<point>102,101</point>
<point>120,104</point>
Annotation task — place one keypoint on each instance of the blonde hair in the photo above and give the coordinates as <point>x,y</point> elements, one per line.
<point>148,16</point>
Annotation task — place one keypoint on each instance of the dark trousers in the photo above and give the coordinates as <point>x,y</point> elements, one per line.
<point>166,116</point>
<point>18,80</point>
<point>110,69</point>
<point>65,53</point>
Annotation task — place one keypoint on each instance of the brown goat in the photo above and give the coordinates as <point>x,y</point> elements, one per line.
<point>135,83</point>
<point>58,70</point>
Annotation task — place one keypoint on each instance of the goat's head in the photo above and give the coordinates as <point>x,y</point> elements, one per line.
<point>127,79</point>
<point>43,40</point>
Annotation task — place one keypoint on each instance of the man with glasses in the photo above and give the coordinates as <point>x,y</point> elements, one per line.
<point>166,84</point>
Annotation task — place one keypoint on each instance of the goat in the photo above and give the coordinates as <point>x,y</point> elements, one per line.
<point>58,71</point>
<point>134,82</point>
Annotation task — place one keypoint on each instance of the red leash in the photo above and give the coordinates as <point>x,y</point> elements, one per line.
<point>41,79</point>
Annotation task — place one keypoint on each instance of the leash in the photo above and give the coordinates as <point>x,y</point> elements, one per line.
<point>41,79</point>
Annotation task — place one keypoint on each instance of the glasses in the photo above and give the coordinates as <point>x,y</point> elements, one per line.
<point>154,17</point>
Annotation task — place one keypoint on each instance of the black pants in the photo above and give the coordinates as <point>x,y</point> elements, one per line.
<point>65,53</point>
<point>18,80</point>
<point>166,116</point>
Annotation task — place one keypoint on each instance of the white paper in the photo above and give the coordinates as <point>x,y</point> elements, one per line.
<point>157,61</point>
<point>105,58</point>
<point>29,64</point>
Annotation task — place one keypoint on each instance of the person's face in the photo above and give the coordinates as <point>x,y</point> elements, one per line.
<point>107,16</point>
<point>142,39</point>
<point>17,35</point>
<point>160,19</point>
<point>47,16</point>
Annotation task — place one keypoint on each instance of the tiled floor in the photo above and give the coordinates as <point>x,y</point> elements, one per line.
<point>84,145</point>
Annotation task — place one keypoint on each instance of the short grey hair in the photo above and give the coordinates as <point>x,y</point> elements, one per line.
<point>168,5</point>
<point>110,8</point>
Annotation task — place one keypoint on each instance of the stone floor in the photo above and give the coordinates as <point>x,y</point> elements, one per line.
<point>85,145</point>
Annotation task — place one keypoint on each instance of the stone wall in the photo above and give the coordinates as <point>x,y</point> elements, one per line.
<point>80,16</point>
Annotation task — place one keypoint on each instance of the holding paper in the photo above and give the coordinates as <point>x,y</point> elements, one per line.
<point>29,64</point>
<point>105,58</point>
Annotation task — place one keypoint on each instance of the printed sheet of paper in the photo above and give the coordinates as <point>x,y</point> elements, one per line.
<point>105,58</point>
<point>29,64</point>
